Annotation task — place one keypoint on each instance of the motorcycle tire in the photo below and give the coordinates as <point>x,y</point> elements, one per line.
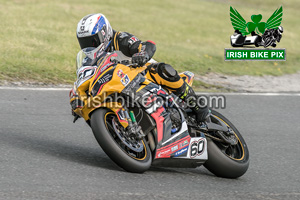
<point>220,162</point>
<point>268,42</point>
<point>112,147</point>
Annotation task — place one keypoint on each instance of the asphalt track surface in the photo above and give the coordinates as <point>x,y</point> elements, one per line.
<point>43,155</point>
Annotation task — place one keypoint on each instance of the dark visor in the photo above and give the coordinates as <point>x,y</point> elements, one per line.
<point>91,41</point>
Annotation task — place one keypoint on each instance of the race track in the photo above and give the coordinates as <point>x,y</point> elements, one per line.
<point>43,155</point>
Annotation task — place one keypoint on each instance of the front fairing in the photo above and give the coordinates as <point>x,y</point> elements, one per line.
<point>113,80</point>
<point>109,78</point>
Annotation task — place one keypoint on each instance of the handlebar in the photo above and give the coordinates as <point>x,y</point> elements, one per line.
<point>127,62</point>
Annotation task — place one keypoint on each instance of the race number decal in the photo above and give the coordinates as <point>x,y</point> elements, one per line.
<point>84,74</point>
<point>197,148</point>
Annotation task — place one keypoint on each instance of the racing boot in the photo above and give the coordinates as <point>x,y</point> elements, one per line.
<point>187,94</point>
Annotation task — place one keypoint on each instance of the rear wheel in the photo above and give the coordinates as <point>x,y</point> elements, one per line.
<point>228,161</point>
<point>131,155</point>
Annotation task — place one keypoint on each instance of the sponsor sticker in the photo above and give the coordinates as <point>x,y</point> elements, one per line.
<point>125,80</point>
<point>103,68</point>
<point>121,114</point>
<point>183,144</point>
<point>174,148</point>
<point>133,39</point>
<point>105,78</point>
<point>120,73</point>
<point>82,32</point>
<point>161,154</point>
<point>181,151</point>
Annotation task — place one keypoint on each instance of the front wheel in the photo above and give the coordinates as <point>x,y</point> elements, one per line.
<point>227,161</point>
<point>132,156</point>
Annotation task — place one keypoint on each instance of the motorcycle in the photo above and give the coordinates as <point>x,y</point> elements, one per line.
<point>138,123</point>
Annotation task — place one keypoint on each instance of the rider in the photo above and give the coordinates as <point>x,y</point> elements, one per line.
<point>94,30</point>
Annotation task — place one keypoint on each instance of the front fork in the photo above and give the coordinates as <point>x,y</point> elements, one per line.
<point>133,128</point>
<point>127,119</point>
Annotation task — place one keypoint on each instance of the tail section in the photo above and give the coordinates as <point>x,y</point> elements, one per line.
<point>188,77</point>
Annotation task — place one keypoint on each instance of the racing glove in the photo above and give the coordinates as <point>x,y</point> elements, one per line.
<point>140,58</point>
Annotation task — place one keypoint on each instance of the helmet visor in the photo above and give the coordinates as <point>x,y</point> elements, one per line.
<point>91,41</point>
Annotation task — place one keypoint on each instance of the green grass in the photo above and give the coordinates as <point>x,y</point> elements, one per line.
<point>38,38</point>
<point>204,87</point>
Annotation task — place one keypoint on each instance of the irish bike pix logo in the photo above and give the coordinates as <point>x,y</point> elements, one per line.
<point>256,39</point>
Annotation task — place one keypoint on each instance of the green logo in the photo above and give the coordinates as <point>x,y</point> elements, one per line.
<point>266,34</point>
<point>239,23</point>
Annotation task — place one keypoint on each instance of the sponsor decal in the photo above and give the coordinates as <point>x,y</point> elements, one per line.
<point>82,32</point>
<point>103,68</point>
<point>84,19</point>
<point>163,153</point>
<point>120,73</point>
<point>105,78</point>
<point>121,114</point>
<point>174,148</point>
<point>256,33</point>
<point>125,80</point>
<point>183,144</point>
<point>134,83</point>
<point>146,101</point>
<point>132,40</point>
<point>101,82</point>
<point>181,152</point>
<point>197,148</point>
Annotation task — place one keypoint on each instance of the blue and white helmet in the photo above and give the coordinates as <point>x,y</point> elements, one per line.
<point>94,30</point>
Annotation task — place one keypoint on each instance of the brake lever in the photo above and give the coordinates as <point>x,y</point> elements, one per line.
<point>129,63</point>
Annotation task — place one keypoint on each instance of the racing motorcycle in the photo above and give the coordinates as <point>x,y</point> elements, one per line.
<point>139,123</point>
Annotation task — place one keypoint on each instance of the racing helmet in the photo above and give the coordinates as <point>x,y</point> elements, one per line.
<point>280,29</point>
<point>94,30</point>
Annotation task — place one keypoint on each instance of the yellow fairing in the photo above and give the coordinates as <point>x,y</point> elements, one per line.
<point>114,85</point>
